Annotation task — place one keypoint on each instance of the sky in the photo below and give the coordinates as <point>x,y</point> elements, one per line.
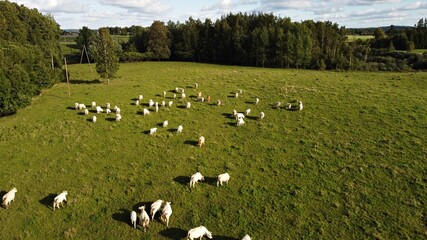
<point>74,14</point>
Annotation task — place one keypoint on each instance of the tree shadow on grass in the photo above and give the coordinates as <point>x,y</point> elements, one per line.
<point>122,216</point>
<point>48,200</point>
<point>191,142</point>
<point>174,233</point>
<point>183,180</point>
<point>78,81</point>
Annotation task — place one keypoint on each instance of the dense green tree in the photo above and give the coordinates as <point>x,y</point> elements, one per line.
<point>30,56</point>
<point>158,41</point>
<point>105,50</point>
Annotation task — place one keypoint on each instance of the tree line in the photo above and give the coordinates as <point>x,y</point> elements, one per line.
<point>30,55</point>
<point>265,40</point>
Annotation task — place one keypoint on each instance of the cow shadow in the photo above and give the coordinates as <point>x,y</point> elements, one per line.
<point>48,200</point>
<point>224,237</point>
<point>191,142</point>
<point>122,216</point>
<point>232,124</point>
<point>228,115</point>
<point>111,119</point>
<point>2,193</point>
<point>174,233</point>
<point>140,204</point>
<point>183,180</point>
<point>172,130</point>
<point>252,117</point>
<point>210,181</point>
<point>71,108</point>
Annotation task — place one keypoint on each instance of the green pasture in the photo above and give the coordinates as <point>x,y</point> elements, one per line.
<point>351,165</point>
<point>420,51</point>
<point>352,38</point>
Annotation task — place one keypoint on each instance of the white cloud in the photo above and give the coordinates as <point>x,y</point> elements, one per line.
<point>144,6</point>
<point>272,5</point>
<point>52,6</point>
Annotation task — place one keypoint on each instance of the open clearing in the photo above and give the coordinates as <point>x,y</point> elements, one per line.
<point>350,165</point>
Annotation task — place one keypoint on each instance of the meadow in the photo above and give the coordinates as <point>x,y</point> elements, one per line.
<point>351,165</point>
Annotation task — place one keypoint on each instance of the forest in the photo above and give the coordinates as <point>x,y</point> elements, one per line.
<point>30,55</point>
<point>265,40</point>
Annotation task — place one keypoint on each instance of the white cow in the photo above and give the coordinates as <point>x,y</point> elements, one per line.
<point>99,109</point>
<point>58,200</point>
<point>9,197</point>
<point>166,213</point>
<point>201,141</point>
<point>196,178</point>
<point>198,232</point>
<point>222,178</point>
<point>153,131</point>
<point>180,128</point>
<point>155,206</point>
<point>240,122</point>
<point>144,218</point>
<point>133,218</point>
<point>118,117</point>
<point>246,237</point>
<point>82,106</point>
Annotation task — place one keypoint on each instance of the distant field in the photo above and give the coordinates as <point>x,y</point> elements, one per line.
<point>352,38</point>
<point>420,51</point>
<point>351,165</point>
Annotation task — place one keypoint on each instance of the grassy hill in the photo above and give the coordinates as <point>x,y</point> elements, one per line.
<point>350,165</point>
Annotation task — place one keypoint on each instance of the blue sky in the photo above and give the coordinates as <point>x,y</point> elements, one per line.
<point>74,14</point>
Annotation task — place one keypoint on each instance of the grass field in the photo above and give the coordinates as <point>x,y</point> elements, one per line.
<point>352,38</point>
<point>351,165</point>
<point>420,51</point>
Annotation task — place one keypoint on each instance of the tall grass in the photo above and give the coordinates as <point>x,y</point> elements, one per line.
<point>350,165</point>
